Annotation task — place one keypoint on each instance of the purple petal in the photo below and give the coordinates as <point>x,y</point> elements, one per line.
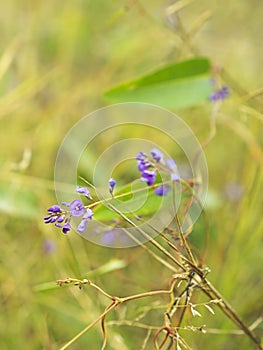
<point>84,191</point>
<point>143,165</point>
<point>54,209</point>
<point>47,219</point>
<point>149,177</point>
<point>171,165</point>
<point>162,190</point>
<point>82,226</point>
<point>88,215</point>
<point>65,228</point>
<point>141,156</point>
<point>76,208</point>
<point>112,184</point>
<point>157,155</point>
<point>220,94</point>
<point>61,218</point>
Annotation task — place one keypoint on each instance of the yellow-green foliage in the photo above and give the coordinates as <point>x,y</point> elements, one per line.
<point>56,60</point>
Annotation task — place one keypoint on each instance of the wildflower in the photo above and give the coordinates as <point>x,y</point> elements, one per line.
<point>149,177</point>
<point>157,155</point>
<point>220,94</point>
<point>76,208</point>
<point>143,161</point>
<point>54,209</point>
<point>55,214</point>
<point>84,191</point>
<point>172,167</point>
<point>66,227</point>
<point>83,224</point>
<point>141,156</point>
<point>112,184</point>
<point>148,169</point>
<point>162,190</point>
<point>61,218</point>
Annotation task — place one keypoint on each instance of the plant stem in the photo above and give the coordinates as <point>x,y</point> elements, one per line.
<point>72,341</point>
<point>209,289</point>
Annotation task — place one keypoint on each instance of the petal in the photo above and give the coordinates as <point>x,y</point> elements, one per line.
<point>171,165</point>
<point>88,215</point>
<point>141,156</point>
<point>82,226</point>
<point>76,208</point>
<point>84,191</point>
<point>157,155</point>
<point>112,183</point>
<point>75,204</point>
<point>162,190</point>
<point>66,227</point>
<point>54,209</point>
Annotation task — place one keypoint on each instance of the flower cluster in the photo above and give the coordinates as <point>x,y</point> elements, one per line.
<point>62,217</point>
<point>220,94</point>
<point>149,166</point>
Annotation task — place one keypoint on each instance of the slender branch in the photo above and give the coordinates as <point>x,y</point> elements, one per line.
<point>151,240</point>
<point>157,257</point>
<point>80,334</point>
<point>211,291</point>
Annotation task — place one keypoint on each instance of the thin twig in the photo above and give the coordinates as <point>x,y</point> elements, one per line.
<point>80,334</point>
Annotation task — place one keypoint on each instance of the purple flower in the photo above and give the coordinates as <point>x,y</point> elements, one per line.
<point>65,228</point>
<point>76,208</point>
<point>141,156</point>
<point>84,191</point>
<point>157,155</point>
<point>55,214</point>
<point>143,165</point>
<point>88,215</point>
<point>220,94</point>
<point>171,165</point>
<point>149,177</point>
<point>50,219</point>
<point>143,161</point>
<point>112,184</point>
<point>54,209</point>
<point>62,218</point>
<point>83,224</point>
<point>162,190</point>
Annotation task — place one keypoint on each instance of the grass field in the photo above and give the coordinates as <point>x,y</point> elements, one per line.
<point>56,60</point>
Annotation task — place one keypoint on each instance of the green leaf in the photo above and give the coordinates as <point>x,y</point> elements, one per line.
<point>178,85</point>
<point>135,199</point>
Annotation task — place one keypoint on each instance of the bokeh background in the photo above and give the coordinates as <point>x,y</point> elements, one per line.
<point>56,60</point>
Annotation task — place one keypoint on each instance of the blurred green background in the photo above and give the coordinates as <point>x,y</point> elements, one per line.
<point>56,60</point>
